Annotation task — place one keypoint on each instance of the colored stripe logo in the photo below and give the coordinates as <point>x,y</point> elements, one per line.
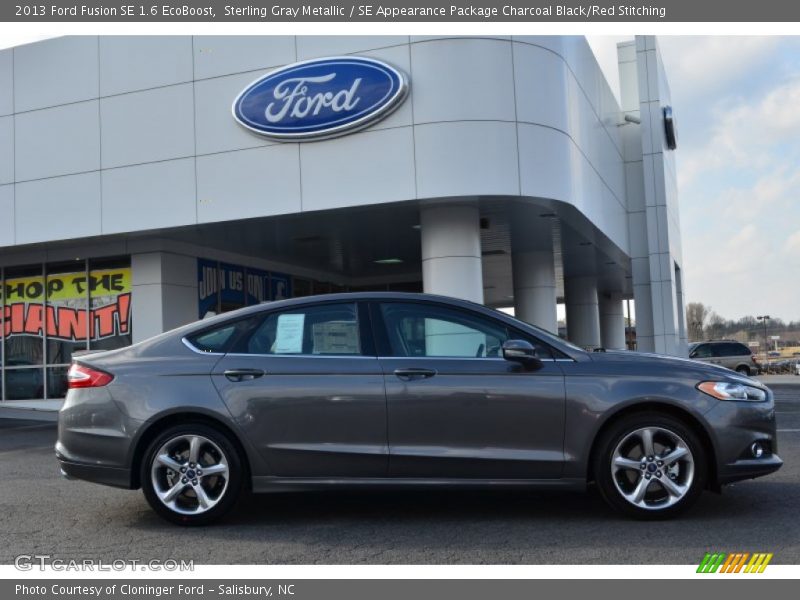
<point>737,562</point>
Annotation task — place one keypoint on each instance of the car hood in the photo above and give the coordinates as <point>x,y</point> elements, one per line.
<point>674,363</point>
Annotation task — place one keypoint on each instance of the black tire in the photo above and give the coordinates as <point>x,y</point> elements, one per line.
<point>229,491</point>
<point>609,485</point>
<point>744,370</point>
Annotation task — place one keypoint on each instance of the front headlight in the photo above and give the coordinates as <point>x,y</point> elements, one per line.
<point>732,391</point>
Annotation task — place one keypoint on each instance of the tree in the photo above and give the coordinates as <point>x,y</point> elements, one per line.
<point>696,314</point>
<point>716,326</point>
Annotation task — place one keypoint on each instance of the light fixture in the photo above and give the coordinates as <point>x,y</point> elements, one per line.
<point>757,450</point>
<point>389,261</point>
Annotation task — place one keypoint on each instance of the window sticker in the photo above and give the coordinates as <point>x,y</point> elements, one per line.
<point>335,337</point>
<point>289,335</point>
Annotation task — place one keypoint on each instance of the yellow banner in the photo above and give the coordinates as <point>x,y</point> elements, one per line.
<point>67,286</point>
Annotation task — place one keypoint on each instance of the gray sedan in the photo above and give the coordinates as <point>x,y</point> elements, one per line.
<point>394,390</point>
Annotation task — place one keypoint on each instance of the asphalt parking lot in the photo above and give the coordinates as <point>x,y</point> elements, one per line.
<point>41,513</point>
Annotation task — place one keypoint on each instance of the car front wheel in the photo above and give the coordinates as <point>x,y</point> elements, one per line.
<point>192,474</point>
<point>650,466</point>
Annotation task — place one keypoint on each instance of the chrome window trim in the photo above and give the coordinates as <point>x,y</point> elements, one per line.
<point>467,358</point>
<point>348,356</point>
<point>189,345</point>
<point>196,350</point>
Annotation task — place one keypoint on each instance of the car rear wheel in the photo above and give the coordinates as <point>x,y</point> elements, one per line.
<point>650,466</point>
<point>743,370</point>
<point>192,474</point>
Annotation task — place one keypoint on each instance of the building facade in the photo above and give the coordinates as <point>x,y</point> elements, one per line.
<point>506,173</point>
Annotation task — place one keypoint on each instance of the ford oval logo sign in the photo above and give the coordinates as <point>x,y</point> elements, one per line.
<point>320,98</point>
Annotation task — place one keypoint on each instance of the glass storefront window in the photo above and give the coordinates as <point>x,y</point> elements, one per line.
<point>51,311</point>
<point>110,292</point>
<point>23,294</point>
<point>57,382</point>
<point>25,383</point>
<point>68,328</point>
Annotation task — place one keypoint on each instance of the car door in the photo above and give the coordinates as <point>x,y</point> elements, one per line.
<point>730,355</point>
<point>703,353</point>
<point>307,390</point>
<point>456,408</point>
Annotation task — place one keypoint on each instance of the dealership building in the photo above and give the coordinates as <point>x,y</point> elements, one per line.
<point>147,182</point>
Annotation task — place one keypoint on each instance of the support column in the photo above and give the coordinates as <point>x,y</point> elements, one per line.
<point>451,251</point>
<point>583,316</point>
<point>612,321</point>
<point>535,300</point>
<point>164,292</point>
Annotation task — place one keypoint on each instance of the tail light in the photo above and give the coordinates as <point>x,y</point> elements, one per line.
<point>81,376</point>
<point>755,361</point>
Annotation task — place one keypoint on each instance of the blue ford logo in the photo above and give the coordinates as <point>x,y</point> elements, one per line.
<point>320,98</point>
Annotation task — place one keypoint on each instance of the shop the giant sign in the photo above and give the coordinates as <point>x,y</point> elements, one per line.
<point>64,316</point>
<point>320,98</point>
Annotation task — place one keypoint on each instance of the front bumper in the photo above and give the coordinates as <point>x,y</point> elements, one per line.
<point>735,426</point>
<point>748,469</point>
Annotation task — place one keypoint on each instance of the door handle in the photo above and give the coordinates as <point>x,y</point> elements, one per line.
<point>414,373</point>
<point>243,374</point>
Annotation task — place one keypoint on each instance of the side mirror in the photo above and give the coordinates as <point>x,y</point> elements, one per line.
<point>521,352</point>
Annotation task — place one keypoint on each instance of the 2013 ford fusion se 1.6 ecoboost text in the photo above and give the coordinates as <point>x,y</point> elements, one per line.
<point>394,390</point>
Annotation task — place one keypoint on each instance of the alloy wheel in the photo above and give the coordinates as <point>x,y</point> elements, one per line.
<point>652,468</point>
<point>190,474</point>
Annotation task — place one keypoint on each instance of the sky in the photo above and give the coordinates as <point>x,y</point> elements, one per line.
<point>737,104</point>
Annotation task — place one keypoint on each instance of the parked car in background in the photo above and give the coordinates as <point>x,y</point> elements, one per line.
<point>403,390</point>
<point>730,354</point>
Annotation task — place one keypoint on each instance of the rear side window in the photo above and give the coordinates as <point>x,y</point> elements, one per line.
<point>732,349</point>
<point>219,339</point>
<point>327,329</point>
<point>720,350</point>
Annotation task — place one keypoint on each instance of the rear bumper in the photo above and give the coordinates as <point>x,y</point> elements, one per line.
<point>113,476</point>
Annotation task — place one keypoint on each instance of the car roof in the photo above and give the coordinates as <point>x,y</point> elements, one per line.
<point>718,342</point>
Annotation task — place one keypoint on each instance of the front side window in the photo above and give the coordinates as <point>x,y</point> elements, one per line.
<point>702,351</point>
<point>327,329</point>
<point>420,330</point>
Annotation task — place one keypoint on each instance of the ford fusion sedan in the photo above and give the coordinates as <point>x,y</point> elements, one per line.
<point>395,390</point>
